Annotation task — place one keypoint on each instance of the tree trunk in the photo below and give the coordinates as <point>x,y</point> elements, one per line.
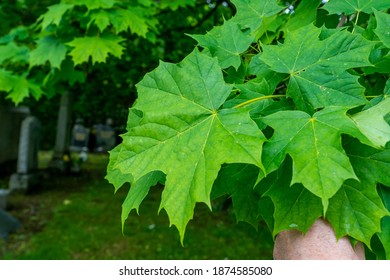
<point>61,156</point>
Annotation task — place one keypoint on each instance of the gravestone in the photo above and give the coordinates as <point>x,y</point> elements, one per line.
<point>10,123</point>
<point>105,136</point>
<point>3,198</point>
<point>8,224</point>
<point>26,175</point>
<point>80,137</point>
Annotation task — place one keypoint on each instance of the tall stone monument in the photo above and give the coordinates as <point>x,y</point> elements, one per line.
<point>10,123</point>
<point>26,175</point>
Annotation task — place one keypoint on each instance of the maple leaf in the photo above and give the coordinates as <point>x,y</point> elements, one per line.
<point>137,194</point>
<point>353,6</point>
<point>49,49</point>
<point>291,202</point>
<point>14,53</point>
<point>178,128</point>
<point>100,18</point>
<point>137,19</point>
<point>6,80</point>
<point>238,182</point>
<point>383,27</point>
<point>96,47</point>
<point>372,124</point>
<point>384,235</point>
<point>317,68</point>
<point>54,14</point>
<point>18,87</point>
<point>369,163</point>
<point>305,13</point>
<point>315,147</point>
<point>114,176</point>
<point>356,210</point>
<point>250,13</point>
<point>226,42</point>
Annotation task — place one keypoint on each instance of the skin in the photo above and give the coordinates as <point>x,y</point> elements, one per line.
<point>319,243</point>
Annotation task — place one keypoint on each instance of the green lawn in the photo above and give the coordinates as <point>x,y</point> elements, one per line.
<point>79,218</point>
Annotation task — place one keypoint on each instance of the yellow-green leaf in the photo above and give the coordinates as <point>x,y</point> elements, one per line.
<point>98,48</point>
<point>54,14</point>
<point>372,124</point>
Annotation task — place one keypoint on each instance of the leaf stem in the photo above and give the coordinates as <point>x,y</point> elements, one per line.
<point>356,21</point>
<point>258,99</point>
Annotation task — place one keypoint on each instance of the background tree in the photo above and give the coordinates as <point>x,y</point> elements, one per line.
<point>47,47</point>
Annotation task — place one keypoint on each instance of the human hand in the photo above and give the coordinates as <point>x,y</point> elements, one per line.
<point>319,243</point>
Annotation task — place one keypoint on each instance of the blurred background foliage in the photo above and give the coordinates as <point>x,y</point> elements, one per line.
<point>100,90</point>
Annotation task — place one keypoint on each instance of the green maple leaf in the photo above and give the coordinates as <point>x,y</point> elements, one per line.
<point>137,194</point>
<point>96,47</point>
<point>291,203</point>
<point>100,18</point>
<point>18,87</point>
<point>364,209</point>
<point>305,13</point>
<point>49,49</point>
<point>14,53</point>
<point>383,27</point>
<point>54,14</point>
<point>137,19</point>
<point>115,176</point>
<point>250,13</point>
<point>8,51</point>
<point>369,163</point>
<point>384,235</point>
<point>353,6</point>
<point>372,124</point>
<point>317,68</point>
<point>238,181</point>
<point>356,210</point>
<point>178,128</point>
<point>226,42</point>
<point>315,147</point>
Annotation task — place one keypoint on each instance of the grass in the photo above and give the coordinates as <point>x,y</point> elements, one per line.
<point>79,218</point>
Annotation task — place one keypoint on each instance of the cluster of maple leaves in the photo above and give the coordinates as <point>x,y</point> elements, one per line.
<point>274,110</point>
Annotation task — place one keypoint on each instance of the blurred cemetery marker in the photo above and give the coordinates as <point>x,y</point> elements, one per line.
<point>105,136</point>
<point>26,175</point>
<point>80,137</point>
